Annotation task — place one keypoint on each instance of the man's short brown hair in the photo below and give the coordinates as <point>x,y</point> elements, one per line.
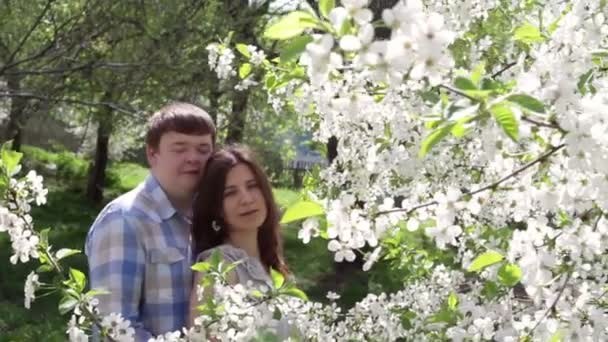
<point>179,117</point>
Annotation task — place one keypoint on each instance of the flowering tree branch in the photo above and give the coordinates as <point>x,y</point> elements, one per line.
<point>487,187</point>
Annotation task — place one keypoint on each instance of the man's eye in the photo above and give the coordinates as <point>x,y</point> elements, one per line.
<point>228,194</point>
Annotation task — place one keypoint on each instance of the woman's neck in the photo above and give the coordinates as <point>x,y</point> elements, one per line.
<point>247,241</point>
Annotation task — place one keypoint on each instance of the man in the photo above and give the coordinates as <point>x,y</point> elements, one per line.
<point>139,247</point>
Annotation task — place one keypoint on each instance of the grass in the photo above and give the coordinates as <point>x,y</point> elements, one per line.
<point>70,215</point>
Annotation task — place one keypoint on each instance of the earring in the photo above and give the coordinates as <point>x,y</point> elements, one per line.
<point>215,226</point>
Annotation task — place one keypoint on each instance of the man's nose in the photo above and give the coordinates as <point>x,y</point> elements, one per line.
<point>193,156</point>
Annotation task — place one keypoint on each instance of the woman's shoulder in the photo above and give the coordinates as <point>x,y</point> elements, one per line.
<point>228,252</point>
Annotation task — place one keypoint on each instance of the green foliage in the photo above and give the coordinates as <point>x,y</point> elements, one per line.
<point>295,48</point>
<point>325,6</point>
<point>302,210</point>
<point>528,33</point>
<point>433,138</point>
<point>509,274</point>
<point>527,102</point>
<point>484,260</point>
<point>245,70</point>
<point>505,118</point>
<point>277,279</point>
<point>292,25</point>
<point>10,160</point>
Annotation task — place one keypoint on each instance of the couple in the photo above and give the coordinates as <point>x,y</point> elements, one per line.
<point>195,200</point>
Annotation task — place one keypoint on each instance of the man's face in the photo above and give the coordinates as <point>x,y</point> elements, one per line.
<point>179,161</point>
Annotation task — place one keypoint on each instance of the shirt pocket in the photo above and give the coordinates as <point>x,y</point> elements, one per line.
<point>164,266</point>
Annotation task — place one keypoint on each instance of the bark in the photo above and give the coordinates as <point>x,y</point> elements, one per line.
<point>236,126</point>
<point>97,170</point>
<point>377,6</point>
<point>16,118</point>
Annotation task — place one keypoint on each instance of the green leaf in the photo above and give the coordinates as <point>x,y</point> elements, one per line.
<point>478,73</point>
<point>201,266</point>
<point>433,138</point>
<point>302,210</point>
<point>509,274</point>
<point>480,95</point>
<point>406,319</point>
<point>490,290</point>
<point>277,278</point>
<point>44,236</point>
<point>257,293</point>
<point>528,33</point>
<point>277,314</point>
<point>453,301</point>
<point>346,27</point>
<point>242,48</point>
<point>295,48</point>
<point>96,292</point>
<point>67,303</point>
<point>79,279</point>
<point>558,336</point>
<point>295,292</point>
<point>291,25</point>
<point>10,160</point>
<point>527,102</point>
<point>486,259</point>
<point>44,268</point>
<point>216,259</point>
<point>245,70</point>
<point>232,266</point>
<point>505,118</point>
<point>66,252</point>
<point>464,83</point>
<point>325,6</point>
<point>459,130</point>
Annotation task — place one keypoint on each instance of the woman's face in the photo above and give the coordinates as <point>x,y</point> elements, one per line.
<point>244,205</point>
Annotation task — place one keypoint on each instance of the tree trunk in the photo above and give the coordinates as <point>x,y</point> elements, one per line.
<point>377,7</point>
<point>332,149</point>
<point>16,113</point>
<point>236,127</point>
<point>97,170</point>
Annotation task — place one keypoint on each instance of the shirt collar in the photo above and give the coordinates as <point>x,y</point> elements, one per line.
<point>165,209</point>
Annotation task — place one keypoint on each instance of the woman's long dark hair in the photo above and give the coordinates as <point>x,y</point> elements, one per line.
<point>209,203</point>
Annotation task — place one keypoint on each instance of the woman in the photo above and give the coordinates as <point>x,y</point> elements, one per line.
<point>235,212</point>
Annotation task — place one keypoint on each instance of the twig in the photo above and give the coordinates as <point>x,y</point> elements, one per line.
<point>543,124</point>
<point>487,187</point>
<point>458,92</point>
<point>559,295</point>
<point>27,35</point>
<point>114,106</point>
<point>520,170</point>
<point>501,71</point>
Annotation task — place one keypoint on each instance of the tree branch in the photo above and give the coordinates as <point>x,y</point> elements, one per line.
<point>458,92</point>
<point>501,71</point>
<point>543,124</point>
<point>114,106</point>
<point>487,187</point>
<point>29,33</point>
<point>559,295</point>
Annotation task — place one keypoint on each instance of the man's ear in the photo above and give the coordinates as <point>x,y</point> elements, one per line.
<point>151,153</point>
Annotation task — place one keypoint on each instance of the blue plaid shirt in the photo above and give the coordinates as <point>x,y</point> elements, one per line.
<point>139,249</point>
